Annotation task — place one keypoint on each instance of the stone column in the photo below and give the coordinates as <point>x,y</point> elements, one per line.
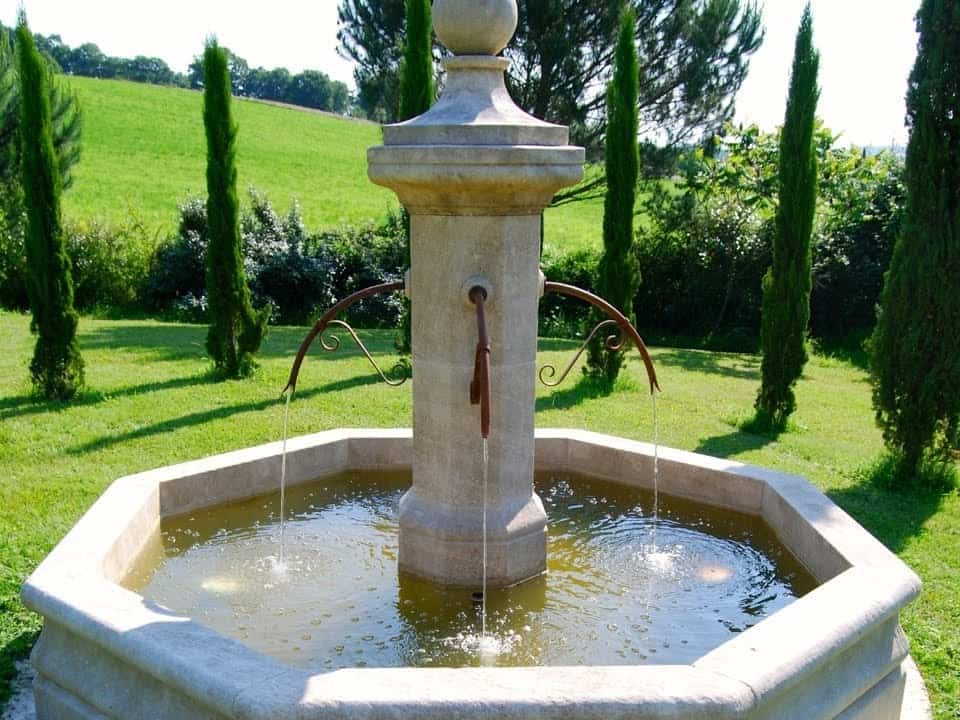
<point>474,172</point>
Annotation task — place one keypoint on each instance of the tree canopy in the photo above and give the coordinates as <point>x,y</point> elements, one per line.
<point>694,56</point>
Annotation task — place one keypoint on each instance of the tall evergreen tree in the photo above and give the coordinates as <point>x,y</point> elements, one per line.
<point>57,367</point>
<point>417,95</point>
<point>787,286</point>
<point>916,344</point>
<point>67,125</point>
<point>417,88</point>
<point>236,329</point>
<point>619,276</point>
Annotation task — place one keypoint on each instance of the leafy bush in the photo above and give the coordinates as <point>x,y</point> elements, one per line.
<point>280,271</point>
<point>702,263</point>
<point>367,255</point>
<point>178,266</point>
<point>562,316</point>
<point>854,243</point>
<point>706,247</point>
<point>109,264</point>
<point>297,273</point>
<point>13,288</point>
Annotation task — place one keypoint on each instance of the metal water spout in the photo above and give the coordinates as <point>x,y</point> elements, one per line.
<point>480,387</point>
<point>475,173</point>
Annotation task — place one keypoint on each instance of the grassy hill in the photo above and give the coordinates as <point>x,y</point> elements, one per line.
<point>144,152</point>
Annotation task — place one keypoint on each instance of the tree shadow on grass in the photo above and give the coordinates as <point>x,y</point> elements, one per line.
<point>733,444</point>
<point>742,367</point>
<point>850,350</point>
<point>170,342</point>
<point>219,413</point>
<point>586,388</point>
<point>11,652</point>
<point>894,514</point>
<point>23,405</point>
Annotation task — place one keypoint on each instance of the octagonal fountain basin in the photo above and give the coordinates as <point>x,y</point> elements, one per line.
<point>751,596</point>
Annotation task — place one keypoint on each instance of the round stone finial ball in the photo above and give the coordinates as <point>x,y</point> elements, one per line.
<point>475,27</point>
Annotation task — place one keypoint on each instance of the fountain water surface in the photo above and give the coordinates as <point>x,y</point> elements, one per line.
<point>610,596</point>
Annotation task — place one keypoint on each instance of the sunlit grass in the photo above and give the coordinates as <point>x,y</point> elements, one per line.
<point>144,152</point>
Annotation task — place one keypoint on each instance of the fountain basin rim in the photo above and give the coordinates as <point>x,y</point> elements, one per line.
<point>855,609</point>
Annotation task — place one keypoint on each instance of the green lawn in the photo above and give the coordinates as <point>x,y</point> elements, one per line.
<point>144,152</point>
<point>151,402</point>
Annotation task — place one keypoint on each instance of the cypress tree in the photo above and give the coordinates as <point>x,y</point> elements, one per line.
<point>787,285</point>
<point>417,94</point>
<point>417,89</point>
<point>236,329</point>
<point>915,347</point>
<point>619,275</point>
<point>57,367</point>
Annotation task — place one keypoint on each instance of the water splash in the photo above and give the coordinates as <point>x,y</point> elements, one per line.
<point>280,567</point>
<point>487,648</point>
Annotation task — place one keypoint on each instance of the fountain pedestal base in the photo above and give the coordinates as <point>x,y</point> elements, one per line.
<point>444,544</point>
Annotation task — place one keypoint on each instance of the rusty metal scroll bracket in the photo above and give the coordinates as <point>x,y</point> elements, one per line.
<point>628,332</point>
<point>328,319</point>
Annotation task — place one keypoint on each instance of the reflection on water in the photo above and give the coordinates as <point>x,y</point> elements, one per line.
<point>336,600</point>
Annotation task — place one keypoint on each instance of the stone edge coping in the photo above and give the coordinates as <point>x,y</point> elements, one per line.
<point>71,587</point>
<point>393,156</point>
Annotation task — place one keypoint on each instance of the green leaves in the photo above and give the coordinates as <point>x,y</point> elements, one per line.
<point>786,288</point>
<point>57,367</point>
<point>916,345</point>
<point>236,329</point>
<point>417,88</point>
<point>619,276</point>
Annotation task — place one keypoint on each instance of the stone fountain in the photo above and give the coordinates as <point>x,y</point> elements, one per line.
<point>475,173</point>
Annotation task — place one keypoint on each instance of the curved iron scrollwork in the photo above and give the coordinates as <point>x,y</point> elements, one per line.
<point>627,332</point>
<point>613,343</point>
<point>395,378</point>
<point>333,344</point>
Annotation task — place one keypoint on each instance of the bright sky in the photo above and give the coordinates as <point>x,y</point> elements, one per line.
<point>295,34</point>
<point>867,48</point>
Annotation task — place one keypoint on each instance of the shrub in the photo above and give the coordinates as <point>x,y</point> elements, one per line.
<point>563,316</point>
<point>367,255</point>
<point>178,266</point>
<point>13,288</point>
<point>854,244</point>
<point>299,274</point>
<point>706,245</point>
<point>702,262</point>
<point>109,264</point>
<point>281,272</point>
